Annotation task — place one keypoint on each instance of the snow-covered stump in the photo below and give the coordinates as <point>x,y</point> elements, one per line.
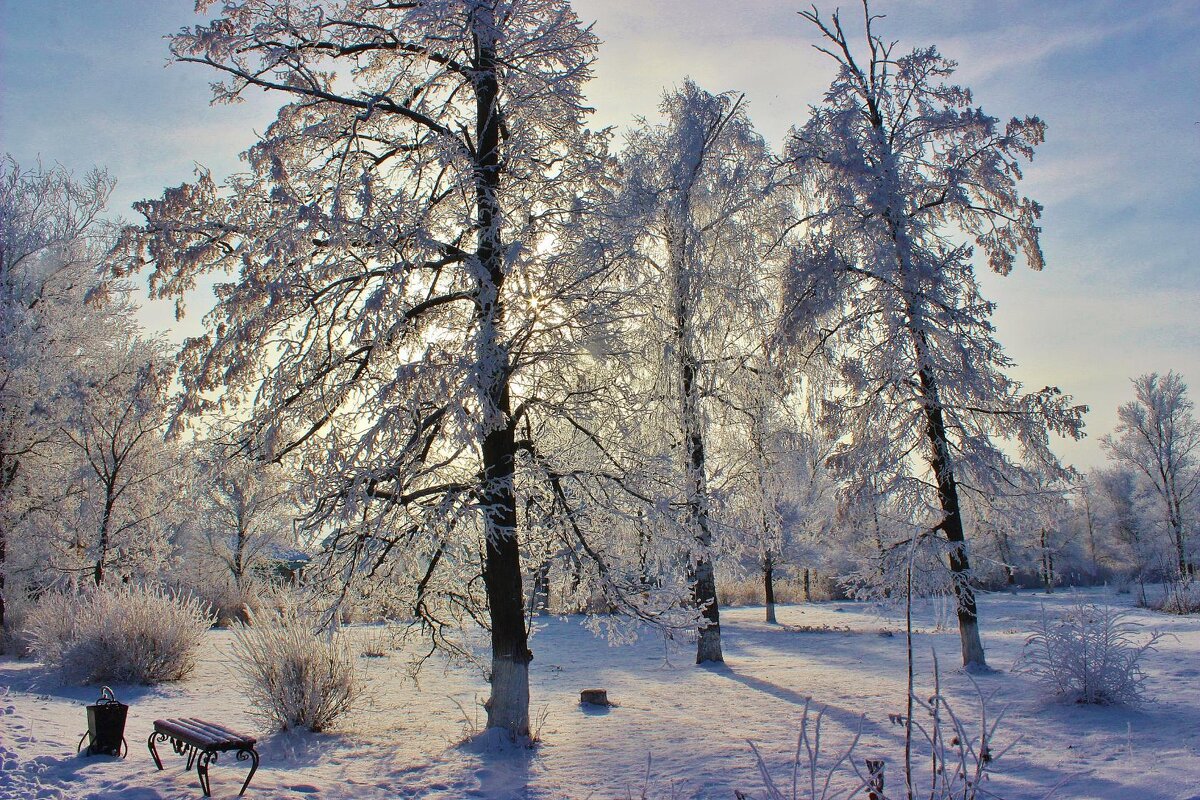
<point>594,697</point>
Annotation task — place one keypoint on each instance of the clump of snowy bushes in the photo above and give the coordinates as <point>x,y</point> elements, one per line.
<point>14,638</point>
<point>294,677</point>
<point>1089,654</point>
<point>1179,597</point>
<point>123,634</point>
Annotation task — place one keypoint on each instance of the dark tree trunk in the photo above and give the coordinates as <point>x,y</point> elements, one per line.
<point>1010,573</point>
<point>951,526</point>
<point>102,545</point>
<point>508,705</point>
<point>1047,563</point>
<point>768,568</point>
<point>1087,510</point>
<point>239,556</point>
<point>939,443</point>
<point>8,474</point>
<point>3,559</point>
<point>701,570</point>
<point>704,587</point>
<point>807,586</point>
<point>881,556</point>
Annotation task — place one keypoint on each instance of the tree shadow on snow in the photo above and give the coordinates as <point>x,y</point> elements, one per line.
<point>852,720</point>
<point>38,680</point>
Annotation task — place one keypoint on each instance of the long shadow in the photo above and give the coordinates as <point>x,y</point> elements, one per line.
<point>39,680</point>
<point>851,720</point>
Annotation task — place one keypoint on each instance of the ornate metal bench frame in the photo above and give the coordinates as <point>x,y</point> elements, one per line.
<point>201,752</point>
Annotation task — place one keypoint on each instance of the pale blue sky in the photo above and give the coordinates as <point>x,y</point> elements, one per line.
<point>84,82</point>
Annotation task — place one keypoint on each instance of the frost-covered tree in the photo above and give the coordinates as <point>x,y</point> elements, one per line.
<point>706,225</point>
<point>900,166</point>
<point>1131,548</point>
<point>246,510</point>
<point>52,309</point>
<point>782,503</point>
<point>115,427</point>
<point>1158,438</point>
<point>407,303</point>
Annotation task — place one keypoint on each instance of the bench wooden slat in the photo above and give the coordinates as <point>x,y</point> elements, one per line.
<point>204,734</point>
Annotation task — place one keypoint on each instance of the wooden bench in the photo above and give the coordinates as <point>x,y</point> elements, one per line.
<point>202,742</point>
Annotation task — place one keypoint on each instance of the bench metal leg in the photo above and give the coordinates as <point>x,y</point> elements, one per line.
<point>242,755</point>
<point>202,771</point>
<point>154,750</point>
<point>201,758</point>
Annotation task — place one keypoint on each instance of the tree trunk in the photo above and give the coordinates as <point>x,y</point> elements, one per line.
<point>105,521</point>
<point>1047,564</point>
<point>508,705</point>
<point>807,586</point>
<point>3,558</point>
<point>768,568</point>
<point>951,525</point>
<point>939,458</point>
<point>1091,527</point>
<point>702,573</point>
<point>8,474</point>
<point>239,555</point>
<point>1180,548</point>
<point>704,588</point>
<point>1010,574</point>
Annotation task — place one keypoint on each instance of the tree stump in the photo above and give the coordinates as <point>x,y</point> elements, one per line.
<point>594,697</point>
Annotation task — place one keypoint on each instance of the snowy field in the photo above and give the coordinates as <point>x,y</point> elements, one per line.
<point>692,723</point>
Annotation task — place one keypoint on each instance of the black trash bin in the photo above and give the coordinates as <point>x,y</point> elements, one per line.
<point>106,726</point>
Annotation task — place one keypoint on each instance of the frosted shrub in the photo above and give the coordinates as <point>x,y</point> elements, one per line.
<point>1089,654</point>
<point>1179,597</point>
<point>293,677</point>
<point>126,634</point>
<point>14,640</point>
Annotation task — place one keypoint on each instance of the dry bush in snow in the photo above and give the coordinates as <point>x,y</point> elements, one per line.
<point>14,639</point>
<point>123,634</point>
<point>1089,654</point>
<point>1179,597</point>
<point>294,678</point>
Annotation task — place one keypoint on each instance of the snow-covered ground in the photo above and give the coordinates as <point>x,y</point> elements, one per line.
<point>691,723</point>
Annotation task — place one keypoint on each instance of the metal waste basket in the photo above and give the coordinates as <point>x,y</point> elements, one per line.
<point>106,726</point>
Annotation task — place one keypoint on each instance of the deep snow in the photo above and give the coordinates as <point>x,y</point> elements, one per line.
<point>693,723</point>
